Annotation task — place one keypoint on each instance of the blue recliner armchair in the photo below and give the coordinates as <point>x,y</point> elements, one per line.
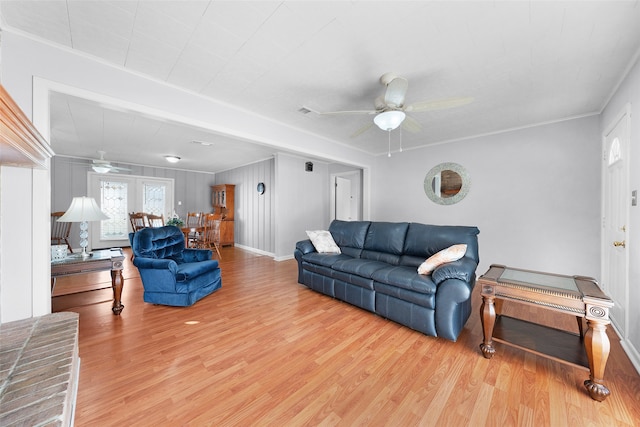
<point>172,274</point>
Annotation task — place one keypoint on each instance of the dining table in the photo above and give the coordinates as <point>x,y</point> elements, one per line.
<point>187,231</point>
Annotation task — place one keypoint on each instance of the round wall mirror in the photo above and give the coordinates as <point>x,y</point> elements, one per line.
<point>447,183</point>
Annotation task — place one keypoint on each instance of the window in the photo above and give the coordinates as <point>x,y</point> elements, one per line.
<point>113,201</point>
<point>614,151</point>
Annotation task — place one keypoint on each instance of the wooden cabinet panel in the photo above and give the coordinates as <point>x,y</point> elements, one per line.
<point>226,233</point>
<point>222,200</point>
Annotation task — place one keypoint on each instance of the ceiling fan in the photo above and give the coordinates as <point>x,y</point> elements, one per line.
<point>390,109</point>
<point>104,166</point>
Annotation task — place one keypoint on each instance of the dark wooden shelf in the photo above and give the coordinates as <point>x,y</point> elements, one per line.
<point>542,340</point>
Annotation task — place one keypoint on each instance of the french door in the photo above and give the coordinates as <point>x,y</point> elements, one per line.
<point>117,196</point>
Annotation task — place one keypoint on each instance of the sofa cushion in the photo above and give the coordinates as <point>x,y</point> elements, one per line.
<point>323,242</point>
<point>423,240</point>
<point>190,270</point>
<point>406,278</point>
<point>386,237</point>
<point>452,253</point>
<point>159,242</point>
<point>358,266</point>
<point>349,233</point>
<point>326,260</point>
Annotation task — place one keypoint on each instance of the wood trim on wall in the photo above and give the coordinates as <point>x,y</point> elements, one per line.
<point>20,142</point>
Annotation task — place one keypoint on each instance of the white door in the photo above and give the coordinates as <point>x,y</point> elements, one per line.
<point>616,198</point>
<point>117,196</point>
<point>343,199</point>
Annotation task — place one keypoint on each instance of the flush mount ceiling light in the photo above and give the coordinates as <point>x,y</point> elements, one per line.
<point>389,120</point>
<point>172,159</point>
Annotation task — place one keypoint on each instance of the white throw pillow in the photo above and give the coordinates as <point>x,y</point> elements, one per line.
<point>323,242</point>
<point>452,253</point>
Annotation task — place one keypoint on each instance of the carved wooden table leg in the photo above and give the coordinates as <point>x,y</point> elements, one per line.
<point>488,318</point>
<point>117,282</point>
<point>597,345</point>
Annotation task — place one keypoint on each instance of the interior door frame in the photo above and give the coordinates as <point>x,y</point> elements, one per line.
<point>353,176</point>
<point>604,244</point>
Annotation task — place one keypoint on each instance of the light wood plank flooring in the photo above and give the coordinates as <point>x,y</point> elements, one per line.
<point>266,351</point>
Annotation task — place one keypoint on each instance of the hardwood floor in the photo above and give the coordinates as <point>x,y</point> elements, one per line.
<point>266,351</point>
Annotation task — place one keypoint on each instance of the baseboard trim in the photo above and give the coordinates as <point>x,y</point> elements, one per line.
<point>254,250</point>
<point>632,354</point>
<point>261,252</point>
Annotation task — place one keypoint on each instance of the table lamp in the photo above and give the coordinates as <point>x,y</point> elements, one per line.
<point>83,209</point>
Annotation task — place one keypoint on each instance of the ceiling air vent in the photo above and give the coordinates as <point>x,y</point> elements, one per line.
<point>304,110</point>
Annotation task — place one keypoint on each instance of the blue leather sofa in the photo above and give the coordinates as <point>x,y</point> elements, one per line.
<point>377,271</point>
<point>172,274</point>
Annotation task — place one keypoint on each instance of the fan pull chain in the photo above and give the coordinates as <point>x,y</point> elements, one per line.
<point>401,139</point>
<point>389,152</point>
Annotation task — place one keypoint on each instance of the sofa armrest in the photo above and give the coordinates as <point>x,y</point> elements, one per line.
<point>155,264</point>
<point>190,270</point>
<point>196,255</point>
<point>305,247</point>
<point>463,269</point>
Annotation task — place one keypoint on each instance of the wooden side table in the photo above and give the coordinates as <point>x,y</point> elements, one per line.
<point>103,260</point>
<point>575,295</point>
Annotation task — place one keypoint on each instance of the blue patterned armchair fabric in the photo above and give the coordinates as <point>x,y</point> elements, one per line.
<point>172,274</point>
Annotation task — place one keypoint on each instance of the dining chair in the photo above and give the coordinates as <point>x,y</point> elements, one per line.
<point>194,220</point>
<point>138,221</point>
<point>155,220</point>
<point>60,230</point>
<point>211,235</point>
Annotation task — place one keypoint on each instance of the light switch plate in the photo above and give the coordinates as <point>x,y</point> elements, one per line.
<point>634,198</point>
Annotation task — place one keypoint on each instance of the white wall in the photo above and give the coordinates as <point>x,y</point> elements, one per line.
<point>629,92</point>
<point>302,201</point>
<point>254,218</point>
<point>535,195</point>
<point>16,290</point>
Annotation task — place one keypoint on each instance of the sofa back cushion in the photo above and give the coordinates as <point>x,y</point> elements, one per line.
<point>423,241</point>
<point>385,241</point>
<point>159,243</point>
<point>349,235</point>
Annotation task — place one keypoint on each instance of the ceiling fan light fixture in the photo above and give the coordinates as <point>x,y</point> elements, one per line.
<point>389,120</point>
<point>100,168</point>
<point>172,159</point>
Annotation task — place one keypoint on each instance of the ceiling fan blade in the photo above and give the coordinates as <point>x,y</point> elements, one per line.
<point>100,165</point>
<point>412,125</point>
<point>396,92</point>
<point>438,104</point>
<point>362,130</point>
<point>323,113</point>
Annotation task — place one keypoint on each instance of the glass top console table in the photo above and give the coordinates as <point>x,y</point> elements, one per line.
<point>102,260</point>
<point>575,295</point>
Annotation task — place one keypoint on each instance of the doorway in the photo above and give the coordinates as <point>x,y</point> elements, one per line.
<point>346,196</point>
<point>615,220</point>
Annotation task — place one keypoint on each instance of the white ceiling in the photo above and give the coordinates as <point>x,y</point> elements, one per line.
<point>523,62</point>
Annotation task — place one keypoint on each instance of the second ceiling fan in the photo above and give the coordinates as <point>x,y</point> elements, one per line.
<point>390,109</point>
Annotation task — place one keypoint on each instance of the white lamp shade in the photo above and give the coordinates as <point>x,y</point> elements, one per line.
<point>389,120</point>
<point>83,209</point>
